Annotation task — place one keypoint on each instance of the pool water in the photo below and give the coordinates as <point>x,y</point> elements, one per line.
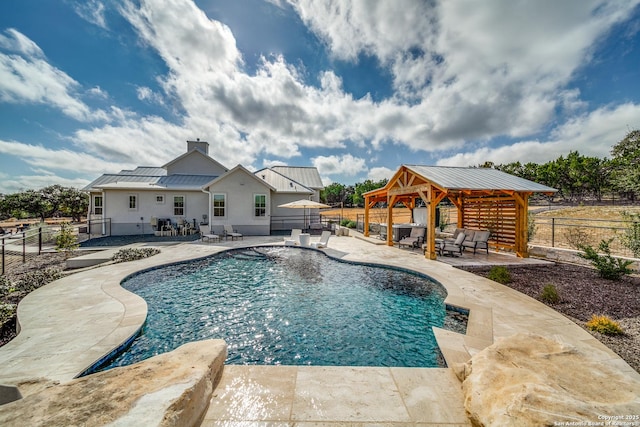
<point>290,306</point>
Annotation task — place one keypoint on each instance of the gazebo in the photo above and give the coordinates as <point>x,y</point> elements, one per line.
<point>485,198</point>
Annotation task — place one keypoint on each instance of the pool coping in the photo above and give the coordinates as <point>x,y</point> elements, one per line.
<point>89,313</point>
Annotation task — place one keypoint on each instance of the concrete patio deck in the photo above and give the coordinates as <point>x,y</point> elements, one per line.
<point>71,323</point>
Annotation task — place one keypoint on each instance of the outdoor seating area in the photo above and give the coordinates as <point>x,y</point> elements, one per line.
<point>462,239</point>
<point>168,227</point>
<point>415,239</point>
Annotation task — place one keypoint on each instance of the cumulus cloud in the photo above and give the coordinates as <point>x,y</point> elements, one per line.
<point>592,134</point>
<point>26,77</point>
<point>345,165</point>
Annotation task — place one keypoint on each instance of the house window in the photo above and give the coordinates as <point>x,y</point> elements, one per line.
<point>178,205</point>
<point>260,204</point>
<point>97,205</point>
<point>133,202</point>
<point>160,199</point>
<point>219,203</point>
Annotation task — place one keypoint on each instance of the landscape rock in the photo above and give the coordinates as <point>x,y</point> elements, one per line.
<point>529,380</point>
<point>171,389</point>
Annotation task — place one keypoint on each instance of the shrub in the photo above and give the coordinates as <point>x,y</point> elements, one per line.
<point>631,237</point>
<point>7,311</point>
<point>604,325</point>
<point>6,287</point>
<point>577,237</point>
<point>549,294</point>
<point>499,274</point>
<point>66,240</point>
<point>344,222</point>
<point>608,267</point>
<point>35,279</point>
<point>351,224</point>
<point>132,254</point>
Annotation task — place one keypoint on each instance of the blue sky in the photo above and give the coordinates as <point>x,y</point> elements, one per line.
<point>355,88</point>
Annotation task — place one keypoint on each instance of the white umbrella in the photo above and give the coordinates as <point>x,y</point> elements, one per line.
<point>304,204</point>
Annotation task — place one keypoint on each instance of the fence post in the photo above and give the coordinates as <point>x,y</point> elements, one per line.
<point>3,258</point>
<point>553,232</point>
<point>39,240</point>
<point>24,247</point>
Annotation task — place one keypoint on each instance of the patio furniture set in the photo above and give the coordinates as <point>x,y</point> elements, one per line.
<point>228,232</point>
<point>462,239</point>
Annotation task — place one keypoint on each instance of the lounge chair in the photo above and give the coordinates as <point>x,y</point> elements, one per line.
<point>414,239</point>
<point>323,242</point>
<point>294,239</point>
<point>230,232</point>
<point>480,240</point>
<point>453,247</point>
<point>205,233</point>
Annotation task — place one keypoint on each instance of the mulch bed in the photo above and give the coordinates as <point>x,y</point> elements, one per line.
<point>582,294</point>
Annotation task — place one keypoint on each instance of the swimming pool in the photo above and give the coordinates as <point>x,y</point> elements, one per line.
<point>290,306</point>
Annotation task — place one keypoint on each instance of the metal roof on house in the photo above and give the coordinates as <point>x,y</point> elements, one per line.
<point>281,183</point>
<point>460,178</point>
<point>305,175</point>
<point>185,181</point>
<point>144,170</point>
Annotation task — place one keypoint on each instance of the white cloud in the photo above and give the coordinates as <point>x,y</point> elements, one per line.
<point>61,160</point>
<point>31,79</point>
<point>345,165</point>
<point>380,173</point>
<point>92,11</point>
<point>591,134</point>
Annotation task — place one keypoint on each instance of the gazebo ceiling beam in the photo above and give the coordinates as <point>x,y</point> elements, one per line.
<point>411,189</point>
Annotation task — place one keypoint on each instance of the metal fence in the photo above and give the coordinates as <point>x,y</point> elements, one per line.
<point>570,233</point>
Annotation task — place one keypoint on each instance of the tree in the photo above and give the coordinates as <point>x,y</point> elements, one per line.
<point>66,240</point>
<point>363,187</point>
<point>625,175</point>
<point>335,193</point>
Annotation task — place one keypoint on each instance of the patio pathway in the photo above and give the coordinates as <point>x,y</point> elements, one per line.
<point>87,314</point>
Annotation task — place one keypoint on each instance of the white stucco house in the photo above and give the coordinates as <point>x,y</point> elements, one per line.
<point>196,188</point>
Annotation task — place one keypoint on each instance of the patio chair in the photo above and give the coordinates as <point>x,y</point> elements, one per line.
<point>323,242</point>
<point>414,239</point>
<point>453,247</point>
<point>480,241</point>
<point>205,233</point>
<point>230,232</point>
<point>294,239</point>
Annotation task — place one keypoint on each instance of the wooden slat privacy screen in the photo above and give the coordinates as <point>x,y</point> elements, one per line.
<point>497,214</point>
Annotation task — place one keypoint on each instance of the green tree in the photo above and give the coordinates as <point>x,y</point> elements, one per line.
<point>334,193</point>
<point>66,240</point>
<point>73,203</point>
<point>363,187</point>
<point>625,175</point>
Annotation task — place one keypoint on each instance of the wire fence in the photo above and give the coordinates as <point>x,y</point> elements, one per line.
<point>571,233</point>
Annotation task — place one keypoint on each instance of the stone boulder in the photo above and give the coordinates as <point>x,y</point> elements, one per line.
<point>172,389</point>
<point>529,380</point>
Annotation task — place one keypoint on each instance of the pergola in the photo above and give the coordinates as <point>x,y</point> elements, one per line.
<point>485,198</point>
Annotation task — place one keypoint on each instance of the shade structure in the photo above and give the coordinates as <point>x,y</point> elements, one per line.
<point>304,204</point>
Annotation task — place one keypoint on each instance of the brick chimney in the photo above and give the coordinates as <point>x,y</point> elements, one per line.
<point>199,145</point>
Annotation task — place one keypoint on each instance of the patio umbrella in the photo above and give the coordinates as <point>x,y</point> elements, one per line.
<point>304,204</point>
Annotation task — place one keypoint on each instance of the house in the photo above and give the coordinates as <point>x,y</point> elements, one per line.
<point>195,188</point>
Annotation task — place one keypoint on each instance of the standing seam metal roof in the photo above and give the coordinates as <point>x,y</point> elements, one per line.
<point>459,178</point>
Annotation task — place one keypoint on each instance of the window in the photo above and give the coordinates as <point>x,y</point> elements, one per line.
<point>219,204</point>
<point>178,205</point>
<point>159,199</point>
<point>97,205</point>
<point>133,202</point>
<point>260,204</point>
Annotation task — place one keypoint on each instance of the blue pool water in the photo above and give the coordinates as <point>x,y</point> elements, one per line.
<point>289,306</point>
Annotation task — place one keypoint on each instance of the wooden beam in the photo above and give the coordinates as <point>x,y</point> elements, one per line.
<point>390,202</point>
<point>411,189</point>
<point>366,216</point>
<point>430,251</point>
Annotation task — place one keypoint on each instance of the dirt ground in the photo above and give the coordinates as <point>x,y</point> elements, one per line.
<point>582,294</point>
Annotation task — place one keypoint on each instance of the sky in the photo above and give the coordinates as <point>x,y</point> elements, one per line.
<point>355,88</point>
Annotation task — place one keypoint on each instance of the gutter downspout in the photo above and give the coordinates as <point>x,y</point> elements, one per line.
<point>208,206</point>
